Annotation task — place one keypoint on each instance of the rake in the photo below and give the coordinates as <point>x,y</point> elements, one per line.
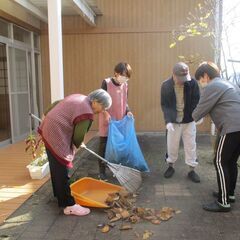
<point>129,178</point>
<point>34,116</point>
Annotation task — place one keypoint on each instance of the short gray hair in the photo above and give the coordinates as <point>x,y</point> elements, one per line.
<point>102,97</point>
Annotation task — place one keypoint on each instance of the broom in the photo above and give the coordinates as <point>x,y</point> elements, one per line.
<point>129,178</point>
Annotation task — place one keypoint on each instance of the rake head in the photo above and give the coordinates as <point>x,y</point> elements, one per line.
<point>129,178</point>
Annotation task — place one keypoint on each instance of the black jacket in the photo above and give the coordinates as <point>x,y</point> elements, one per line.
<point>168,100</point>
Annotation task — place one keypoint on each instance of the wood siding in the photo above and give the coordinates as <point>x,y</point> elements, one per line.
<point>136,31</point>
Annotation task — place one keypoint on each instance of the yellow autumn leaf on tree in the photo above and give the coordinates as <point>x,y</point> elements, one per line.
<point>172,45</point>
<point>207,34</point>
<point>207,15</point>
<point>203,24</point>
<point>181,37</point>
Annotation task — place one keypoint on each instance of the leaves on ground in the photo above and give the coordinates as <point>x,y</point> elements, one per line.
<point>122,207</point>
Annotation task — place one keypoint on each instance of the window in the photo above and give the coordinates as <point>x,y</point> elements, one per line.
<point>3,28</point>
<point>21,35</point>
<point>36,40</point>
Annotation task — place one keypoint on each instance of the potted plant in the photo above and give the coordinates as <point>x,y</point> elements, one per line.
<point>39,166</point>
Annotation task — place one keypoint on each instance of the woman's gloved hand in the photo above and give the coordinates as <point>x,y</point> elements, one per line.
<point>170,127</point>
<point>130,114</point>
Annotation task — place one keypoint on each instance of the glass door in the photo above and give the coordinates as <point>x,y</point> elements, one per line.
<point>5,126</point>
<point>20,82</point>
<point>19,93</point>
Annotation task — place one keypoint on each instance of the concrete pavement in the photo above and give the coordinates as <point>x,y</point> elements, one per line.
<point>40,217</point>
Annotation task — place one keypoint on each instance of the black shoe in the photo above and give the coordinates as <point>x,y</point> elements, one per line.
<point>231,198</point>
<point>216,207</point>
<point>193,176</point>
<point>169,172</point>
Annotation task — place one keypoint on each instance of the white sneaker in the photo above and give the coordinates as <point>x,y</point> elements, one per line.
<point>76,210</point>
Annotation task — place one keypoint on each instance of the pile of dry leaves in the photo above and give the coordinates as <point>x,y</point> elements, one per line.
<point>122,207</point>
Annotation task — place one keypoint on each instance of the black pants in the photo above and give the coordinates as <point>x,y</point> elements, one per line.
<point>101,152</point>
<point>60,181</point>
<point>225,161</point>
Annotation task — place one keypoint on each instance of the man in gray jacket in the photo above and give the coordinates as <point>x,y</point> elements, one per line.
<point>221,100</point>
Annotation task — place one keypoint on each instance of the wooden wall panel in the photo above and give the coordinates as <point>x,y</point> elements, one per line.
<point>135,31</point>
<point>142,13</point>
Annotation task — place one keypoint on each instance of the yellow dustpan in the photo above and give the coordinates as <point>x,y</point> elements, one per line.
<point>92,193</point>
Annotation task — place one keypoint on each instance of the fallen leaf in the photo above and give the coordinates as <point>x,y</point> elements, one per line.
<point>125,227</point>
<point>115,196</point>
<point>164,216</point>
<point>155,221</point>
<point>110,214</point>
<point>105,229</point>
<point>112,197</point>
<point>118,215</point>
<point>134,219</point>
<point>109,200</point>
<point>115,219</point>
<point>166,213</point>
<point>178,211</point>
<point>147,234</point>
<point>124,202</point>
<point>167,209</point>
<point>149,218</point>
<point>117,210</point>
<point>149,211</point>
<point>124,193</point>
<point>125,214</point>
<point>140,211</point>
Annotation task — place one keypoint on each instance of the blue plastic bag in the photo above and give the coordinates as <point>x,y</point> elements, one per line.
<point>122,145</point>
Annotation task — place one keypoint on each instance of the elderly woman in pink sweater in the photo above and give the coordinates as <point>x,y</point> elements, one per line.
<point>62,130</point>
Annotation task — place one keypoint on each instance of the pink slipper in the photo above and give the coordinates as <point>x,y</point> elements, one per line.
<point>76,210</point>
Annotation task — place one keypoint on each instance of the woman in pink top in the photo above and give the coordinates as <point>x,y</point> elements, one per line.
<point>117,87</point>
